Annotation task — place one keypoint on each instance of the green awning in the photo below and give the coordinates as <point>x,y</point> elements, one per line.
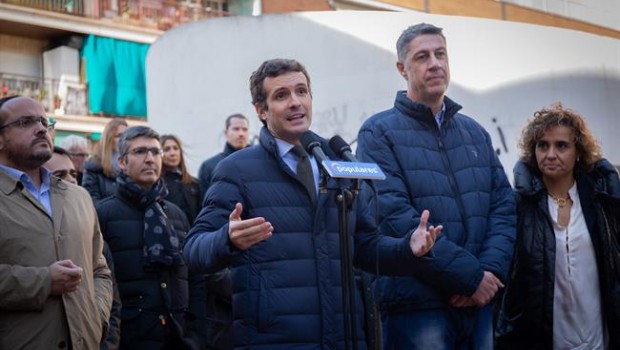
<point>115,74</point>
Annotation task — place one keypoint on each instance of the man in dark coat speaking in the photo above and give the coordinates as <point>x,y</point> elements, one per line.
<point>280,236</point>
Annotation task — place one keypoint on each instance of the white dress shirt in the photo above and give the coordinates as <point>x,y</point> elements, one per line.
<point>577,316</point>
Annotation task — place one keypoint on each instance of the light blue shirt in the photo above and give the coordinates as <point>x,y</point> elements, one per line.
<point>440,114</point>
<point>42,194</point>
<point>285,152</point>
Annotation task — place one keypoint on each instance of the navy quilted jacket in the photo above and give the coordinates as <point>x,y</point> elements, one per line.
<point>141,289</point>
<point>286,289</point>
<point>454,172</point>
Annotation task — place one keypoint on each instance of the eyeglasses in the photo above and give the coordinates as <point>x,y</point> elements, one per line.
<point>143,151</point>
<point>78,155</point>
<point>29,121</point>
<point>64,173</point>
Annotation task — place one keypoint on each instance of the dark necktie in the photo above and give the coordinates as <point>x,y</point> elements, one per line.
<point>304,171</point>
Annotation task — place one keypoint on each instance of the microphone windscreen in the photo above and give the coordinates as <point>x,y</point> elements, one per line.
<point>309,140</point>
<point>339,145</point>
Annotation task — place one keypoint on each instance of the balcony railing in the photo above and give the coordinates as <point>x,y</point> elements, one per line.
<point>72,7</point>
<point>58,96</point>
<point>156,14</point>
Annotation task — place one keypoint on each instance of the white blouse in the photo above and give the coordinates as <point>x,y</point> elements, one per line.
<point>577,317</point>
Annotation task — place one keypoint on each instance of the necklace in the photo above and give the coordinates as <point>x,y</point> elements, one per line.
<point>560,202</point>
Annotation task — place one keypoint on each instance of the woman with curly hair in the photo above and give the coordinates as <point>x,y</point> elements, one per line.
<point>564,290</point>
<point>100,171</point>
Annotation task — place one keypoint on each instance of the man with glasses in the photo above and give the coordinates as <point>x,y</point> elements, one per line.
<point>145,234</point>
<point>55,286</point>
<point>61,166</point>
<point>77,147</point>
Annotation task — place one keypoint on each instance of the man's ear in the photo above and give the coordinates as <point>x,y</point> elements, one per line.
<point>401,69</point>
<point>122,164</point>
<point>260,111</point>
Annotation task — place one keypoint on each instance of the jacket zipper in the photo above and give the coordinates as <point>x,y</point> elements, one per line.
<point>457,195</point>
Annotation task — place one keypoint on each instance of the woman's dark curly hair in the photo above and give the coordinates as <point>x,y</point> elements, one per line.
<point>588,149</point>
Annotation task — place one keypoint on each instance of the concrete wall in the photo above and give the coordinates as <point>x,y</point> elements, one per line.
<point>600,17</point>
<point>602,12</point>
<point>502,72</point>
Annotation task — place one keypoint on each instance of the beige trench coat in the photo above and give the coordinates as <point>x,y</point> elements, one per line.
<point>30,240</point>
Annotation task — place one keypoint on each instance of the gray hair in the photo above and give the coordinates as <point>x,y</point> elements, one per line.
<point>74,141</point>
<point>402,44</point>
<point>133,133</point>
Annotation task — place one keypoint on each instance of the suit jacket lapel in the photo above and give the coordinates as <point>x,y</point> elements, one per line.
<point>57,199</point>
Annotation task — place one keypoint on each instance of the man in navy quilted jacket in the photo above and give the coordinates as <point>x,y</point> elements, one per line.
<point>439,159</point>
<point>280,236</point>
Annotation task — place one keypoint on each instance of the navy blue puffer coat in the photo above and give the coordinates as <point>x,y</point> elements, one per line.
<point>454,172</point>
<point>286,289</point>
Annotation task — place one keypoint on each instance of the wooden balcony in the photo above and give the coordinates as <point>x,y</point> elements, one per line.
<point>154,14</point>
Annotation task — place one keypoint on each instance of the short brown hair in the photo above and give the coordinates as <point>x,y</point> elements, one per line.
<point>270,69</point>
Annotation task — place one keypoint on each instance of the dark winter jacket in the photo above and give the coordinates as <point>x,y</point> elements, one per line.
<point>454,172</point>
<point>205,173</point>
<point>286,289</point>
<point>112,340</point>
<point>98,184</point>
<point>212,305</point>
<point>526,317</point>
<point>185,196</point>
<point>218,291</point>
<point>148,321</point>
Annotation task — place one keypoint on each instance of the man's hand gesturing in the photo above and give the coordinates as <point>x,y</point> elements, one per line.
<point>245,233</point>
<point>422,239</point>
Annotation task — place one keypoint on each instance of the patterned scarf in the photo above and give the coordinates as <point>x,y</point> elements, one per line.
<point>162,243</point>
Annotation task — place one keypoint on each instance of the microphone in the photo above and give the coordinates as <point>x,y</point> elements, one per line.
<point>312,144</point>
<point>338,169</point>
<point>357,169</point>
<point>342,148</point>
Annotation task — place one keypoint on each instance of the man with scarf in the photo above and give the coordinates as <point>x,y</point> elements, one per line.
<point>145,234</point>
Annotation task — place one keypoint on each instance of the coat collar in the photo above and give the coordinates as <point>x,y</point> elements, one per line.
<point>9,185</point>
<point>527,183</point>
<point>422,112</point>
<point>602,179</point>
<point>268,142</point>
<point>229,149</point>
